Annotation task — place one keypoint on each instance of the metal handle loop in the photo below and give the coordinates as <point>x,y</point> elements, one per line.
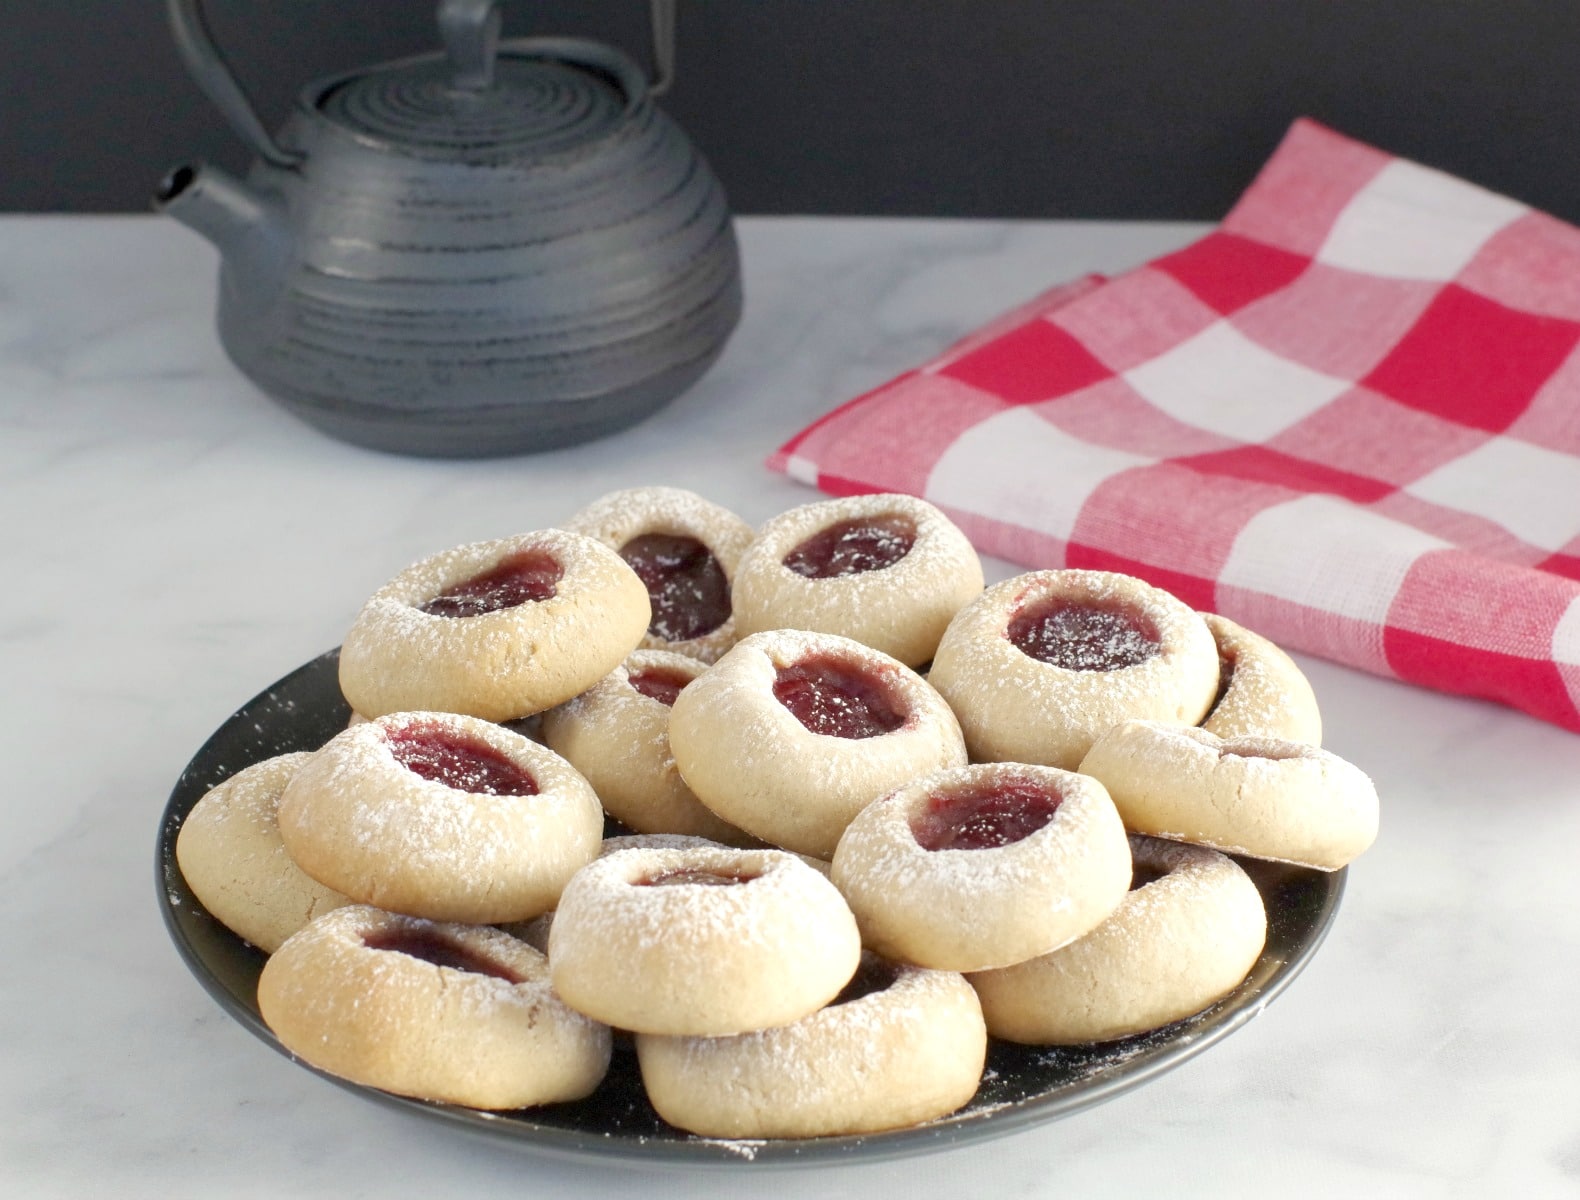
<point>207,65</point>
<point>663,20</point>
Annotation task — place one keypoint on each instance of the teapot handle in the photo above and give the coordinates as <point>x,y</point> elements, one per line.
<point>470,32</point>
<point>203,59</point>
<point>663,20</point>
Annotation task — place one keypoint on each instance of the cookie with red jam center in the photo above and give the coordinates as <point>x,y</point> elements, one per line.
<point>499,630</point>
<point>983,866</point>
<point>1041,665</point>
<point>441,816</point>
<point>454,1013</point>
<point>701,941</point>
<point>888,571</point>
<point>684,549</point>
<point>792,733</point>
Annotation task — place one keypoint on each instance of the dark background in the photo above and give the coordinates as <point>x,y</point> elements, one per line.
<point>1008,108</point>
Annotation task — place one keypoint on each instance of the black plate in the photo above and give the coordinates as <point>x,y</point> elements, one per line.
<point>1022,1085</point>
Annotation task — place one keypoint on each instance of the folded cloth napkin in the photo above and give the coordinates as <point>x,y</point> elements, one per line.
<point>1348,418</point>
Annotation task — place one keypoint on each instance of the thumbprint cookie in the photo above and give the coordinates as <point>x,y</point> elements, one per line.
<point>983,866</point>
<point>701,941</point>
<point>497,630</point>
<point>886,570</point>
<point>441,816</point>
<point>1260,689</point>
<point>684,549</point>
<point>455,1013</point>
<point>1188,931</point>
<point>897,1046</point>
<point>1258,796</point>
<point>230,853</point>
<point>791,734</point>
<point>617,735</point>
<point>1041,665</point>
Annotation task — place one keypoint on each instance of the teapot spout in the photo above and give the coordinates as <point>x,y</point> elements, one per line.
<point>236,217</point>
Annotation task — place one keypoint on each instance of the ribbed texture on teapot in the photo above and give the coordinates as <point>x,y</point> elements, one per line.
<point>536,108</point>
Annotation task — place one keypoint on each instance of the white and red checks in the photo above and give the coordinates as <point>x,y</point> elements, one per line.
<point>1348,418</point>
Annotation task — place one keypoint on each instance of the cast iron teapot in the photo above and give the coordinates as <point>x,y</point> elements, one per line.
<point>499,248</point>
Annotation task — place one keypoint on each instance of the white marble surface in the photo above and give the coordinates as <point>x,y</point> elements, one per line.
<point>172,542</point>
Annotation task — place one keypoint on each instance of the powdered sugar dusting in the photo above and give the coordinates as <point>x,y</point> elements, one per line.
<point>884,845</point>
<point>1014,707</point>
<point>604,898</point>
<point>1082,638</point>
<point>901,608</point>
<point>749,759</point>
<point>384,835</point>
<point>1261,690</point>
<point>901,530</point>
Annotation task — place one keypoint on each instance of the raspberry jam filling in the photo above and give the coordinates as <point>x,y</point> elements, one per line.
<point>520,577</point>
<point>851,547</point>
<point>986,816</point>
<point>658,683</point>
<point>696,875</point>
<point>685,584</point>
<point>439,950</point>
<point>837,699</point>
<point>874,975</point>
<point>1082,636</point>
<point>458,760</point>
<point>1141,875</point>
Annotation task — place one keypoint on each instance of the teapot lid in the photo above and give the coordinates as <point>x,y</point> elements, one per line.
<point>551,96</point>
<point>474,104</point>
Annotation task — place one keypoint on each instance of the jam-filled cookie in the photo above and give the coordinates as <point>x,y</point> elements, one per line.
<point>1044,663</point>
<point>454,1013</point>
<point>230,853</point>
<point>441,816</point>
<point>1258,796</point>
<point>983,866</point>
<point>886,570</point>
<point>1190,929</point>
<point>899,1045</point>
<point>536,931</point>
<point>791,734</point>
<point>701,941</point>
<point>498,630</point>
<point>617,735</point>
<point>1260,689</point>
<point>685,550</point>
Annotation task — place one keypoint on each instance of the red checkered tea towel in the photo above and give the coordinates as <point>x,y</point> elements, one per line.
<point>1348,418</point>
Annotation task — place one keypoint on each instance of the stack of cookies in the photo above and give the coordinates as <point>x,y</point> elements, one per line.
<point>880,814</point>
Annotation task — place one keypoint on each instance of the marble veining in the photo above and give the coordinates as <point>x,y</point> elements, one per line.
<point>174,542</point>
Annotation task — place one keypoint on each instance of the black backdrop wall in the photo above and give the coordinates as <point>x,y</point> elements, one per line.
<point>1067,108</point>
